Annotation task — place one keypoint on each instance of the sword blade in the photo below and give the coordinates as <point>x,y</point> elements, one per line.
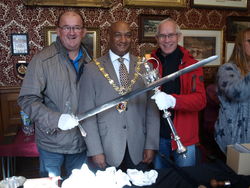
<point>139,91</point>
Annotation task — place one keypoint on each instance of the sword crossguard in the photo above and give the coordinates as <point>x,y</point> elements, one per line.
<point>69,110</point>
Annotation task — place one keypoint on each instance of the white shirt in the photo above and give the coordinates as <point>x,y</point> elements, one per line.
<point>116,64</point>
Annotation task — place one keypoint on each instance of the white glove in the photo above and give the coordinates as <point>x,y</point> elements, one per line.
<point>140,178</point>
<point>164,101</point>
<point>67,121</point>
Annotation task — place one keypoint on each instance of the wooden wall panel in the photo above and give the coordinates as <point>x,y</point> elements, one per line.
<point>10,111</point>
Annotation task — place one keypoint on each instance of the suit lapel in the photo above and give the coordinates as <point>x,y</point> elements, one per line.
<point>132,65</point>
<point>109,68</point>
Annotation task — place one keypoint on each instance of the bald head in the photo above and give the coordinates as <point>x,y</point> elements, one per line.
<point>70,13</point>
<point>118,24</point>
<point>120,38</point>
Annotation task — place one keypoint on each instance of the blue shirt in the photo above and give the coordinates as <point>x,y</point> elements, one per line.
<point>75,62</point>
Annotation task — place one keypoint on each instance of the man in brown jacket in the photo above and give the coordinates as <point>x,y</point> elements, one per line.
<point>49,95</point>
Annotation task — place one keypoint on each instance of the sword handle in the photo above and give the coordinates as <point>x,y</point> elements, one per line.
<point>68,107</point>
<point>83,132</point>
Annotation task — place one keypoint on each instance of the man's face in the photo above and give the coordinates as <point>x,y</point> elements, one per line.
<point>120,38</point>
<point>167,37</point>
<point>71,31</point>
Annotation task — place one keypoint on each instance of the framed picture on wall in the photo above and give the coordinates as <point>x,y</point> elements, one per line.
<point>49,35</point>
<point>70,3</point>
<point>155,3</point>
<point>91,40</point>
<point>147,27</point>
<point>19,44</point>
<point>228,4</point>
<point>236,24</point>
<point>203,43</point>
<point>228,50</point>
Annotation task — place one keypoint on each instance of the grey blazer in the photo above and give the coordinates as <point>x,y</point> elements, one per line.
<point>109,132</point>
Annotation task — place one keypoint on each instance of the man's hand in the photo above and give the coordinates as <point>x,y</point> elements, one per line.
<point>67,121</point>
<point>148,156</point>
<point>164,101</point>
<point>99,160</point>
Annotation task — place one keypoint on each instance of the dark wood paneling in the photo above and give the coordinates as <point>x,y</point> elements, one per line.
<point>10,111</point>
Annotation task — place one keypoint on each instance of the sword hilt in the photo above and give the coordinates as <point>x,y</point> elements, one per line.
<point>69,110</point>
<point>83,132</point>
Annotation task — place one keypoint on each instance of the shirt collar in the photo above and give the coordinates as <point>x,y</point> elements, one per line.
<point>114,57</point>
<point>79,56</point>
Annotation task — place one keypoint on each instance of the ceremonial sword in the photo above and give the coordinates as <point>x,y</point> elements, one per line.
<point>134,93</point>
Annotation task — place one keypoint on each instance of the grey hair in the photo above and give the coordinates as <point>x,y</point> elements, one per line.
<point>178,30</point>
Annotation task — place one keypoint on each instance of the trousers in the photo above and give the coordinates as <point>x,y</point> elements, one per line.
<point>165,151</point>
<point>51,164</point>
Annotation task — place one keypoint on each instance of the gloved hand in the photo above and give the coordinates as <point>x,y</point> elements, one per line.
<point>163,100</point>
<point>141,178</point>
<point>67,121</point>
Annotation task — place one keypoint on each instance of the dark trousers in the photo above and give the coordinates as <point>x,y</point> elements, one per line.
<point>127,163</point>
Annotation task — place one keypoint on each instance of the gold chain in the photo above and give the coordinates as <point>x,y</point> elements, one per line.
<point>121,90</point>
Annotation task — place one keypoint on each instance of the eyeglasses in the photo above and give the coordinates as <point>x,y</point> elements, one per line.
<point>169,36</point>
<point>67,28</point>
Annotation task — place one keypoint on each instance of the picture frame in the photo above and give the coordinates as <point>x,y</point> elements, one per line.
<point>203,44</point>
<point>91,40</point>
<point>70,3</point>
<point>229,46</point>
<point>236,24</point>
<point>155,3</point>
<point>147,27</point>
<point>19,44</point>
<point>220,4</point>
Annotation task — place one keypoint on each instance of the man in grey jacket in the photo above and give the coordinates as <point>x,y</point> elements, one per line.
<point>128,135</point>
<point>49,95</point>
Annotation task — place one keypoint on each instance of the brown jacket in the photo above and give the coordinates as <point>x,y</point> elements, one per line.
<point>50,83</point>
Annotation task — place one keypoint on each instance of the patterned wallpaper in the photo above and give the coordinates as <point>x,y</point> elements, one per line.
<point>15,17</point>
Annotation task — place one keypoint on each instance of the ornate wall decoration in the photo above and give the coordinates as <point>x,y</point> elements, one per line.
<point>16,17</point>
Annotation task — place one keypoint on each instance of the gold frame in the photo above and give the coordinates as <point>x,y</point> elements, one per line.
<point>156,3</point>
<point>70,3</point>
<point>242,4</point>
<point>50,36</point>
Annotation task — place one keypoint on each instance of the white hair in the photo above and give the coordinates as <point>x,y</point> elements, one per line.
<point>178,30</point>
